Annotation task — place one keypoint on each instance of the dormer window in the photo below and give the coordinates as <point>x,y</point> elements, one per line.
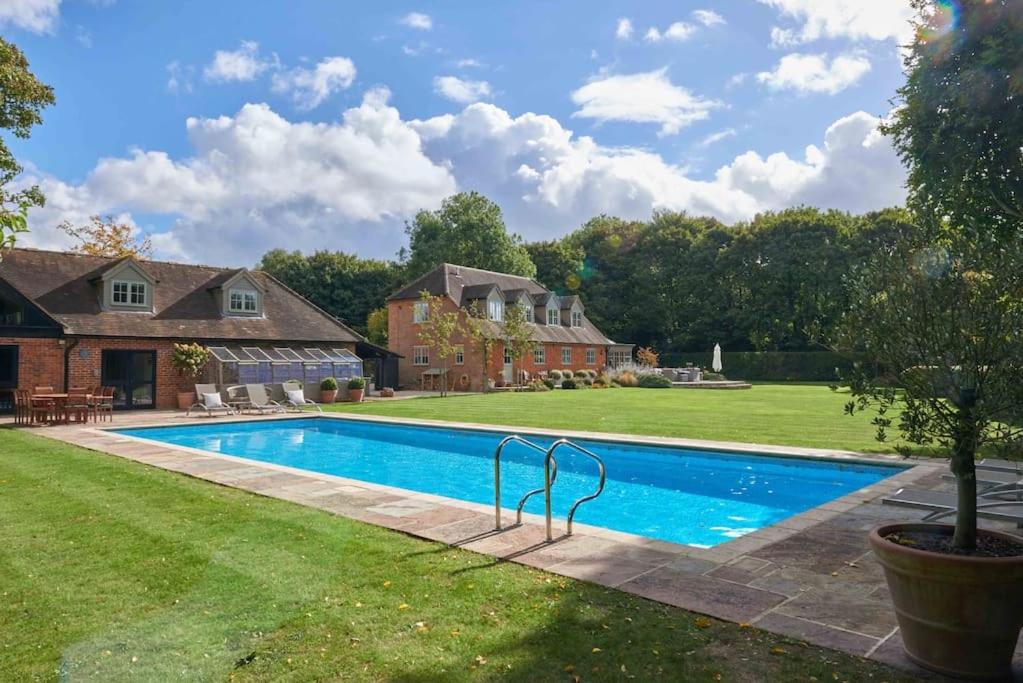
<point>129,293</point>
<point>577,319</point>
<point>495,310</point>
<point>243,301</point>
<point>553,316</point>
<point>528,311</point>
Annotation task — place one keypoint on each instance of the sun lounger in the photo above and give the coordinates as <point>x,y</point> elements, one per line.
<point>207,404</point>
<point>996,465</point>
<point>944,503</point>
<point>294,398</point>
<point>260,401</point>
<point>993,480</point>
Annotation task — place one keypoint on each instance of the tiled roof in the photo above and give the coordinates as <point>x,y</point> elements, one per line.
<point>61,284</point>
<point>462,284</point>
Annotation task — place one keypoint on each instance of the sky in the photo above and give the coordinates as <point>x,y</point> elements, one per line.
<point>227,129</point>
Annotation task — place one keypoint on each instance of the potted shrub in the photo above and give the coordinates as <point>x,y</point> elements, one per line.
<point>356,386</point>
<point>939,313</point>
<point>328,390</point>
<point>189,360</point>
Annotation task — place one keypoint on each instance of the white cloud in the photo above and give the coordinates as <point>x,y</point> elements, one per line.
<point>624,29</point>
<point>255,180</point>
<point>853,19</point>
<point>708,17</point>
<point>461,90</point>
<point>243,64</point>
<point>808,73</point>
<point>179,77</point>
<point>37,16</point>
<point>717,137</point>
<point>417,20</point>
<point>310,87</point>
<point>469,63</point>
<point>641,98</point>
<point>678,32</point>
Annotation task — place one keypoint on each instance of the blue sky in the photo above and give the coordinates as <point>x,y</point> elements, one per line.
<point>230,128</point>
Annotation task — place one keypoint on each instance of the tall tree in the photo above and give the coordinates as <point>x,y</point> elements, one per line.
<point>559,266</point>
<point>22,100</point>
<point>484,336</point>
<point>108,237</point>
<point>517,334</point>
<point>376,326</point>
<point>467,230</point>
<point>345,286</point>
<point>960,126</point>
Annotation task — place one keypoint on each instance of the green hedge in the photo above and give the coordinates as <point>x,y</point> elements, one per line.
<point>769,366</point>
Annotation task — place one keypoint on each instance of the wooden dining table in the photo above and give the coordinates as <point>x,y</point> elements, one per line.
<point>59,414</point>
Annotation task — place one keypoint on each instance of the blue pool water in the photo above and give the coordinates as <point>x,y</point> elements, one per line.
<point>698,498</point>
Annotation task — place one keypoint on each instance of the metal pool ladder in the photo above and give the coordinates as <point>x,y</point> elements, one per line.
<point>548,481</point>
<point>549,473</point>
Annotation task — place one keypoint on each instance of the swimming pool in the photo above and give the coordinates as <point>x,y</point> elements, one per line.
<point>694,497</point>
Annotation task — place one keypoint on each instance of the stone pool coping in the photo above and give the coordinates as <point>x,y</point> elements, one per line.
<point>810,577</point>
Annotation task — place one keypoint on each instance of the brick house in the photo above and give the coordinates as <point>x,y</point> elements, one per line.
<point>564,337</point>
<point>76,320</point>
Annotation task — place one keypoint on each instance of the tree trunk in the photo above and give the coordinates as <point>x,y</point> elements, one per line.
<point>964,467</point>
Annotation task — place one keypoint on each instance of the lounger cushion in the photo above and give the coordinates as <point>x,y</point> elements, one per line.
<point>212,401</point>
<point>295,396</point>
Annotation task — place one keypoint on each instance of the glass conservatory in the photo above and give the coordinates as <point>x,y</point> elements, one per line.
<point>274,365</point>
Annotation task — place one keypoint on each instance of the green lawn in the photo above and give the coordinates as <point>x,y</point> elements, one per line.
<point>110,569</point>
<point>781,414</point>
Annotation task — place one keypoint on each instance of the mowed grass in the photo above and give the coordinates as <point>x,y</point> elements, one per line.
<point>778,414</point>
<point>113,570</point>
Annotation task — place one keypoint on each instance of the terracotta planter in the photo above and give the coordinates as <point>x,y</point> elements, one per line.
<point>328,395</point>
<point>355,395</point>
<point>185,399</point>
<point>959,615</point>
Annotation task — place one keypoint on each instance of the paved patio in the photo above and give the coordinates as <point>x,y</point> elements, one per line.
<point>811,577</point>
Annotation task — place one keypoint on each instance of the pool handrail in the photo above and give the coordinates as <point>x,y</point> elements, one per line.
<point>497,478</point>
<point>549,480</point>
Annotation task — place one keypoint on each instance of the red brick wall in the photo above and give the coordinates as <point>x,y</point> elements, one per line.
<point>87,371</point>
<point>402,335</point>
<point>40,362</point>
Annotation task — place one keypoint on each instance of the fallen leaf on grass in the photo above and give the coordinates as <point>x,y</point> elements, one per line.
<point>703,622</point>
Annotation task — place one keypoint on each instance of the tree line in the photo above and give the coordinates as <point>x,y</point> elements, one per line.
<point>676,282</point>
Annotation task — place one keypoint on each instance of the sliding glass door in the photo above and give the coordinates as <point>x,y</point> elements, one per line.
<point>132,374</point>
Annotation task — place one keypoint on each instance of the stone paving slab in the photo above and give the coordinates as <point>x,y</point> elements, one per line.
<point>809,577</point>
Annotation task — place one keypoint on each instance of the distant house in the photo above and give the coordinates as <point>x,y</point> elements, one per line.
<point>75,320</point>
<point>564,337</point>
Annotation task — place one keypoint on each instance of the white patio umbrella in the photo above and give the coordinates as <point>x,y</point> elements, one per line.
<point>716,363</point>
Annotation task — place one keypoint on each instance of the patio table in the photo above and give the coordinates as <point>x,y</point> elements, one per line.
<point>60,414</point>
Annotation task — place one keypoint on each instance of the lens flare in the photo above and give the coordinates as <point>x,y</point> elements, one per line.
<point>943,19</point>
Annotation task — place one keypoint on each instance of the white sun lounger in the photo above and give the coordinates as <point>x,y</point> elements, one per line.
<point>200,392</point>
<point>260,401</point>
<point>944,504</point>
<point>996,465</point>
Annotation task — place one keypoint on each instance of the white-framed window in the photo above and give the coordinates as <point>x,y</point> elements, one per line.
<point>528,310</point>
<point>591,356</point>
<point>507,356</point>
<point>459,355</point>
<point>495,310</point>
<point>566,355</point>
<point>128,293</point>
<point>539,355</point>
<point>242,301</point>
<point>420,311</point>
<point>577,318</point>
<point>420,355</point>
<point>553,316</point>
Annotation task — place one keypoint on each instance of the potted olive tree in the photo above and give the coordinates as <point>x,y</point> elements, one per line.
<point>328,390</point>
<point>189,360</point>
<point>356,387</point>
<point>940,311</point>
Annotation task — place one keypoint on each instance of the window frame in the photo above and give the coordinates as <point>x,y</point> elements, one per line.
<point>539,355</point>
<point>591,356</point>
<point>577,318</point>
<point>563,350</point>
<point>420,312</point>
<point>245,296</point>
<point>131,289</point>
<point>495,310</point>
<point>420,355</point>
<point>553,316</point>
<point>460,354</point>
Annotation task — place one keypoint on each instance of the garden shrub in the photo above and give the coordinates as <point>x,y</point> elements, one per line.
<point>615,384</point>
<point>627,379</point>
<point>549,383</point>
<point>538,385</point>
<point>652,381</point>
<point>568,384</point>
<point>588,381</point>
<point>567,374</point>
<point>772,366</point>
<point>328,384</point>
<point>555,375</point>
